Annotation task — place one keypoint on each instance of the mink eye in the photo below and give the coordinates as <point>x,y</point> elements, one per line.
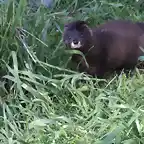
<point>81,35</point>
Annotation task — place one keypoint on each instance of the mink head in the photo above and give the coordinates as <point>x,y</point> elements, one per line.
<point>77,34</point>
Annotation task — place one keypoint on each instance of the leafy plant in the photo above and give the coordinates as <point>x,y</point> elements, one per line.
<point>44,101</point>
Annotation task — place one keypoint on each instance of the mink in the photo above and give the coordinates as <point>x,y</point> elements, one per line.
<point>110,46</point>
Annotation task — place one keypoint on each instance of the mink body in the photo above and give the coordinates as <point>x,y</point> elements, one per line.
<point>113,45</point>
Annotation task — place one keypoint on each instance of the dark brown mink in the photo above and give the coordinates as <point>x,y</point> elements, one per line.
<point>111,46</point>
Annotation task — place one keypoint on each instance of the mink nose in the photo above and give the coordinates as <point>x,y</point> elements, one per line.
<point>75,41</point>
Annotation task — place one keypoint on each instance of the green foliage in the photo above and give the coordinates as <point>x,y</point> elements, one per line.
<point>42,100</point>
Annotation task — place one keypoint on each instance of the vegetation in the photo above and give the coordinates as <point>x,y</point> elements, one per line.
<point>43,101</point>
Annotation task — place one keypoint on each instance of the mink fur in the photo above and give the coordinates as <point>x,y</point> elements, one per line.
<point>113,45</point>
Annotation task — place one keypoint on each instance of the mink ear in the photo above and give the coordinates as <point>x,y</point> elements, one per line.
<point>65,26</point>
<point>82,24</point>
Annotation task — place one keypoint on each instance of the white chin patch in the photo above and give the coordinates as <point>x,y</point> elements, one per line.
<point>76,45</point>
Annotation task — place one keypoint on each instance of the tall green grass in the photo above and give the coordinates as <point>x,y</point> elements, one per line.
<point>43,99</point>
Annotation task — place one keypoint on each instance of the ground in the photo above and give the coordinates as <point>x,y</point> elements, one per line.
<point>43,101</point>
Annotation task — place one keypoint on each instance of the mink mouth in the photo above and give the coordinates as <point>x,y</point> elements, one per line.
<point>76,46</point>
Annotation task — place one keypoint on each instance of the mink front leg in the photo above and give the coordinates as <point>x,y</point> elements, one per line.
<point>98,70</point>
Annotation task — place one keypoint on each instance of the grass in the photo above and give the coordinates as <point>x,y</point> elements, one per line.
<point>43,101</point>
